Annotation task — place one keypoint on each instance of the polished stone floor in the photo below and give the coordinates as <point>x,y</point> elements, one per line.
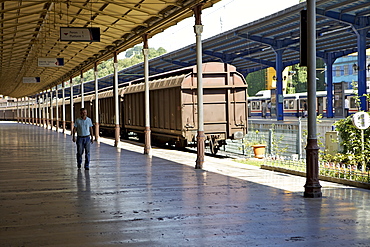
<point>130,199</point>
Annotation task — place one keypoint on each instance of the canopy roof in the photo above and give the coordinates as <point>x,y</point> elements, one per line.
<point>30,29</point>
<point>251,47</point>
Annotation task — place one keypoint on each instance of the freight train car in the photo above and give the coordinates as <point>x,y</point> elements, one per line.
<point>106,110</point>
<point>173,106</point>
<point>9,113</point>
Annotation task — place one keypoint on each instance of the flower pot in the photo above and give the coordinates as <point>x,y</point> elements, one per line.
<point>259,151</point>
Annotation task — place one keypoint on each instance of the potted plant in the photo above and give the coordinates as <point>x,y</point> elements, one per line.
<point>259,150</point>
<point>258,142</point>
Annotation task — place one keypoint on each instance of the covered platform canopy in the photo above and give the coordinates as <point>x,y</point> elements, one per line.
<point>254,46</point>
<point>31,29</point>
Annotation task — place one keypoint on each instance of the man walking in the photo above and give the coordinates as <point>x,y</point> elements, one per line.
<point>83,126</point>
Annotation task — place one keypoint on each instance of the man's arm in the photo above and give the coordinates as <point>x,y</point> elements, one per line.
<point>73,134</point>
<point>92,134</point>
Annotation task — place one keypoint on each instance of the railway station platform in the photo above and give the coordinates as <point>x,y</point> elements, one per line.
<point>130,199</point>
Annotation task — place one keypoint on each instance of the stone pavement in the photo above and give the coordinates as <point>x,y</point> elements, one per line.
<point>130,199</point>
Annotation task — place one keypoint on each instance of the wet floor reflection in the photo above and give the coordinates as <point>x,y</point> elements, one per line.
<point>127,197</point>
<point>83,181</point>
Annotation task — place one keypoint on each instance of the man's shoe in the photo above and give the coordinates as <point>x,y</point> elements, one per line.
<point>86,168</point>
<point>79,167</point>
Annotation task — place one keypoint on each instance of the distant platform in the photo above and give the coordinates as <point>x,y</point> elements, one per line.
<point>290,120</point>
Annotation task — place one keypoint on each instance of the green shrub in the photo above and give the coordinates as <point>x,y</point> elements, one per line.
<point>351,143</point>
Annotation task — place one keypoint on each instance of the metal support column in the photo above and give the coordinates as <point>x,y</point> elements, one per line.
<point>17,113</point>
<point>63,107</point>
<point>82,91</point>
<point>147,131</point>
<point>116,102</point>
<point>361,31</point>
<point>279,83</point>
<point>51,110</point>
<point>32,116</point>
<point>47,109</point>
<point>198,29</point>
<point>56,109</point>
<point>25,116</point>
<point>17,110</point>
<point>34,111</point>
<point>40,111</point>
<point>35,108</point>
<point>96,115</point>
<point>21,110</point>
<point>312,186</point>
<point>29,111</point>
<point>329,60</point>
<point>71,103</point>
<point>24,110</point>
<point>43,110</point>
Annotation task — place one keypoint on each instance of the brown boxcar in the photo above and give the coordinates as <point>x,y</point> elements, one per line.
<point>76,111</point>
<point>106,111</point>
<point>173,106</point>
<point>9,114</point>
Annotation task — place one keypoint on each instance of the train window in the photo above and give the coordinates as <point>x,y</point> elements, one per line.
<point>352,103</point>
<point>291,104</point>
<point>255,105</point>
<point>301,103</point>
<point>286,104</point>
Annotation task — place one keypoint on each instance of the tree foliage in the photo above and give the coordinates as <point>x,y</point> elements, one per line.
<point>133,56</point>
<point>351,142</point>
<point>297,83</point>
<point>299,79</point>
<point>351,137</point>
<point>256,82</point>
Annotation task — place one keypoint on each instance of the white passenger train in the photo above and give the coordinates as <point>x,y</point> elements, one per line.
<point>294,104</point>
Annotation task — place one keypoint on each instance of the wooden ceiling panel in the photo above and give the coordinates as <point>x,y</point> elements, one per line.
<point>30,29</point>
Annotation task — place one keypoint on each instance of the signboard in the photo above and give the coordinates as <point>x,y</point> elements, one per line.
<point>361,120</point>
<point>31,79</point>
<point>50,62</point>
<point>84,34</point>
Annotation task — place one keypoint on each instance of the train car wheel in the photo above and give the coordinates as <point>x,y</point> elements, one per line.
<point>124,135</point>
<point>180,144</point>
<point>214,146</point>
